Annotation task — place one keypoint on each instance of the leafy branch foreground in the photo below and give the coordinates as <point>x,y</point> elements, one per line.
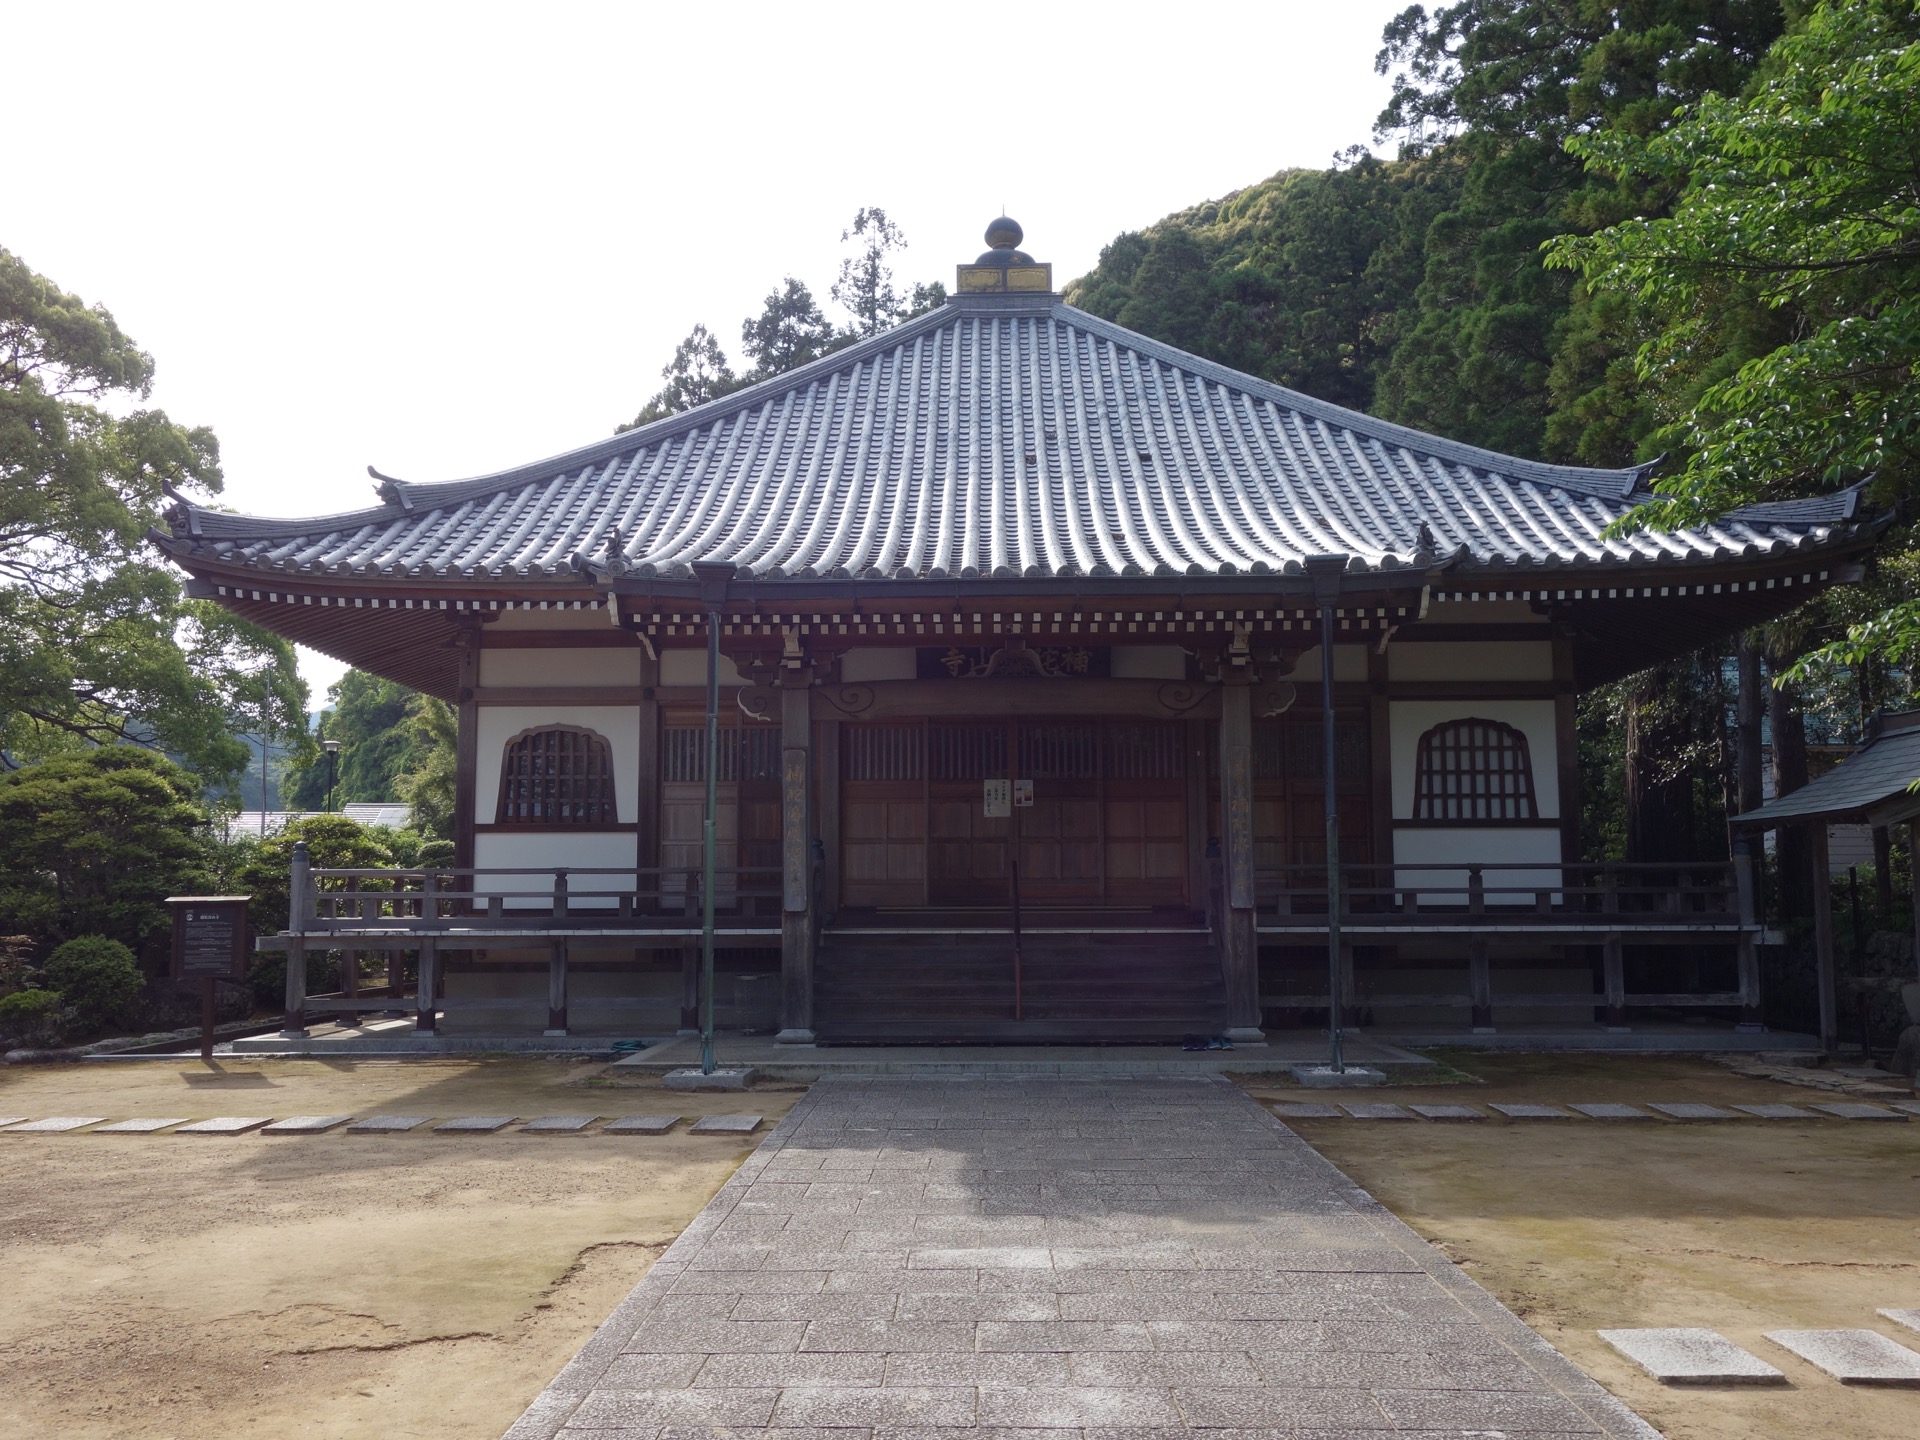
<point>1780,301</point>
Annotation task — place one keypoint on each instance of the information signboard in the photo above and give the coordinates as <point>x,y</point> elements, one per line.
<point>998,799</point>
<point>209,945</point>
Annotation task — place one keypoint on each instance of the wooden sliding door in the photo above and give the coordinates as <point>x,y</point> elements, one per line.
<point>1106,823</point>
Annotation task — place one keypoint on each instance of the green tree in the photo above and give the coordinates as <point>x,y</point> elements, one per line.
<point>697,373</point>
<point>865,287</point>
<point>97,980</point>
<point>92,842</point>
<point>432,781</point>
<point>1299,279</point>
<point>789,331</point>
<point>265,872</point>
<point>1781,297</point>
<point>97,644</point>
<point>1498,350</point>
<point>369,719</point>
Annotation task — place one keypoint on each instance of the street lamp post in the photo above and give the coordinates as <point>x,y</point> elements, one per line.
<point>332,747</point>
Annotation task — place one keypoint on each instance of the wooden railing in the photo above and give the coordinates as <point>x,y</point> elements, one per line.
<point>329,901</point>
<point>431,909</point>
<point>1438,895</point>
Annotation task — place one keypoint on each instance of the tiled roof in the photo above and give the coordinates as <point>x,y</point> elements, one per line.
<point>1883,770</point>
<point>1003,438</point>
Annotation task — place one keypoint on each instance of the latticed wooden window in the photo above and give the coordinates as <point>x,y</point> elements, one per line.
<point>1474,770</point>
<point>557,776</point>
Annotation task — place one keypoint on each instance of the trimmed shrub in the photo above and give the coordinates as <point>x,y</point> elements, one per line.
<point>97,980</point>
<point>30,1018</point>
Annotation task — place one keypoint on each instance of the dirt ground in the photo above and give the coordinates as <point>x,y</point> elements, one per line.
<point>161,1286</point>
<point>340,1286</point>
<point>1742,1227</point>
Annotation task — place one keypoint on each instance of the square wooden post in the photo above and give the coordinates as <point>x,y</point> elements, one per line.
<point>1239,955</point>
<point>1480,984</point>
<point>557,958</point>
<point>299,917</point>
<point>1614,973</point>
<point>1823,934</point>
<point>426,1006</point>
<point>1747,898</point>
<point>796,860</point>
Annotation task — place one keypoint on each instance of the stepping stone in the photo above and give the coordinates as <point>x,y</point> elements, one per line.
<point>1692,1357</point>
<point>54,1125</point>
<point>6,1120</point>
<point>306,1124</point>
<point>641,1125</point>
<point>558,1124</point>
<point>387,1124</point>
<point>1911,1107</point>
<point>1778,1112</point>
<point>225,1125</point>
<point>1693,1110</point>
<point>473,1124</point>
<point>1847,1110</point>
<point>1610,1111</point>
<point>1908,1318</point>
<point>726,1125</point>
<point>1854,1357</point>
<point>1447,1112</point>
<point>1532,1112</point>
<point>137,1127</point>
<point>1306,1110</point>
<point>1376,1110</point>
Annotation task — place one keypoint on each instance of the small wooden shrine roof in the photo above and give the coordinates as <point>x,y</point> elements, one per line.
<point>1872,786</point>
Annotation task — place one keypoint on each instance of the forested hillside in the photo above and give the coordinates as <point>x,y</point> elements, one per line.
<point>1421,289</point>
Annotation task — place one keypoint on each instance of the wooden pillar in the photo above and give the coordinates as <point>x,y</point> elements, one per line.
<point>299,917</point>
<point>1747,897</point>
<point>826,798</point>
<point>796,860</point>
<point>466,752</point>
<point>426,991</point>
<point>1239,956</point>
<point>1566,738</point>
<point>1614,972</point>
<point>1823,934</point>
<point>1199,895</point>
<point>557,957</point>
<point>1913,869</point>
<point>1480,984</point>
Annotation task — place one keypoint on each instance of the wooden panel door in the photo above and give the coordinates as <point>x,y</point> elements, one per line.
<point>1060,832</point>
<point>1145,804</point>
<point>883,815</point>
<point>967,851</point>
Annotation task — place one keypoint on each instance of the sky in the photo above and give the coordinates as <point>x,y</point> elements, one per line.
<point>445,240</point>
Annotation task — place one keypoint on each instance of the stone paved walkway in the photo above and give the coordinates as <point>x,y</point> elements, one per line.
<point>1052,1258</point>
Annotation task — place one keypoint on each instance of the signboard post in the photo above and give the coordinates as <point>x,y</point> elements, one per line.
<point>209,944</point>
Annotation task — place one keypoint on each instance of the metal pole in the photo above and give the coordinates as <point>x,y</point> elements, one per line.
<point>1336,1062</point>
<point>707,839</point>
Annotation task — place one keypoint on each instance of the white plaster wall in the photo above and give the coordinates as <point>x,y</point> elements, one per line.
<point>543,853</point>
<point>1445,849</point>
<point>888,663</point>
<point>689,667</point>
<point>620,724</point>
<point>593,666</point>
<point>1471,660</point>
<point>1150,662</point>
<point>1408,720</point>
<point>594,619</point>
<point>1349,664</point>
